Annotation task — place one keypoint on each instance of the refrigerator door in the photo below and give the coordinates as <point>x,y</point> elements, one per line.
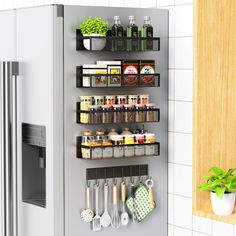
<point>40,121</point>
<point>9,203</point>
<point>75,169</point>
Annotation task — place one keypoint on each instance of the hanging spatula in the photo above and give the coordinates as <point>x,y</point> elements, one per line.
<point>97,219</point>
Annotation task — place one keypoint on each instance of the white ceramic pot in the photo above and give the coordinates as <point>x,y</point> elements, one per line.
<point>97,43</point>
<point>224,206</point>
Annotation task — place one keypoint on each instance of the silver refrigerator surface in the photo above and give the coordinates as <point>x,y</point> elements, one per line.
<point>49,178</point>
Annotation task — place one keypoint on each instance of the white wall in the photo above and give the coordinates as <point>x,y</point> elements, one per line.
<point>181,221</point>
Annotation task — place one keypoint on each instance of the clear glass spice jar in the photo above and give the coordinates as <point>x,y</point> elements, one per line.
<point>118,151</point>
<point>150,149</point>
<point>132,99</point>
<point>107,151</point>
<point>95,114</point>
<point>139,113</point>
<point>85,103</point>
<point>107,115</point>
<point>118,114</point>
<point>110,100</point>
<point>129,150</point>
<point>139,148</point>
<point>129,113</point>
<point>150,114</point>
<point>144,99</point>
<point>86,139</point>
<point>121,99</point>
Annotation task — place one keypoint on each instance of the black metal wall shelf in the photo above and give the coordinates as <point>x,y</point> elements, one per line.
<point>140,80</point>
<point>116,172</point>
<point>90,149</point>
<point>154,43</point>
<point>155,116</point>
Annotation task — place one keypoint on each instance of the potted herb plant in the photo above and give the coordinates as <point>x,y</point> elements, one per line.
<point>223,190</point>
<point>94,27</point>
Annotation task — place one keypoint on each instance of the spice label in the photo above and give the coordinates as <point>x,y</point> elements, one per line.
<point>147,70</point>
<point>114,80</point>
<point>99,79</point>
<point>131,79</point>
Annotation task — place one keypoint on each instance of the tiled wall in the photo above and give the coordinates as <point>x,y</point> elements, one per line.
<point>181,221</point>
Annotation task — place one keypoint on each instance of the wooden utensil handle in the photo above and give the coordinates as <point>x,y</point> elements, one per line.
<point>115,195</point>
<point>151,198</point>
<point>123,191</point>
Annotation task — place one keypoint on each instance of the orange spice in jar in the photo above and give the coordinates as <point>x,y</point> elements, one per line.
<point>121,99</point>
<point>110,100</point>
<point>144,99</point>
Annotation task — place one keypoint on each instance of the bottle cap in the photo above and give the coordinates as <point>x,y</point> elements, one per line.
<point>116,17</point>
<point>147,18</point>
<point>132,17</point>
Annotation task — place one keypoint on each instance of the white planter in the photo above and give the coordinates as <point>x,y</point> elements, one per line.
<point>224,206</point>
<point>97,44</point>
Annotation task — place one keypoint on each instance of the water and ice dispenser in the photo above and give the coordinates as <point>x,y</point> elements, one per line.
<point>34,164</point>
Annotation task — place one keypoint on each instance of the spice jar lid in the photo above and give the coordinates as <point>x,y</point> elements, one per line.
<point>150,105</point>
<point>117,106</point>
<point>100,132</point>
<point>94,107</point>
<point>139,105</point>
<point>110,96</point>
<point>117,137</point>
<point>87,133</point>
<point>139,135</point>
<point>128,105</point>
<point>85,97</point>
<point>122,96</point>
<point>129,136</point>
<point>132,96</point>
<point>106,106</point>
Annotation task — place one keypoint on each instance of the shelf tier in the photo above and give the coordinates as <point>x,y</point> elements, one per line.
<point>126,44</point>
<point>113,114</point>
<point>156,152</point>
<point>106,80</point>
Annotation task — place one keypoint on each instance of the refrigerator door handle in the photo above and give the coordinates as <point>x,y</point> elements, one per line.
<point>8,79</point>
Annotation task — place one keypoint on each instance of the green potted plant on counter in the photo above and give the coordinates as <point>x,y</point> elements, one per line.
<point>222,187</point>
<point>94,27</point>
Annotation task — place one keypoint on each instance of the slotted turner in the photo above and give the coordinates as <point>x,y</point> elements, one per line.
<point>97,219</point>
<point>105,219</point>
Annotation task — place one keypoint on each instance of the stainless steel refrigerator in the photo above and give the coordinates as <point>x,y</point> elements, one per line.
<point>42,180</point>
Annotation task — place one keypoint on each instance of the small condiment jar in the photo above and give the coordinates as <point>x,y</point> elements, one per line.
<point>107,115</point>
<point>129,150</point>
<point>95,115</point>
<point>86,139</point>
<point>139,113</point>
<point>85,103</point>
<point>98,100</point>
<point>144,99</point>
<point>139,148</point>
<point>110,100</point>
<point>118,114</point>
<point>118,151</point>
<point>121,99</point>
<point>106,151</point>
<point>132,99</point>
<point>112,132</point>
<point>129,113</point>
<point>150,149</point>
<point>96,150</point>
<point>126,131</point>
<point>150,114</point>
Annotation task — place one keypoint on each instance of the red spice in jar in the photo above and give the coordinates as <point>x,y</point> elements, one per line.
<point>139,139</point>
